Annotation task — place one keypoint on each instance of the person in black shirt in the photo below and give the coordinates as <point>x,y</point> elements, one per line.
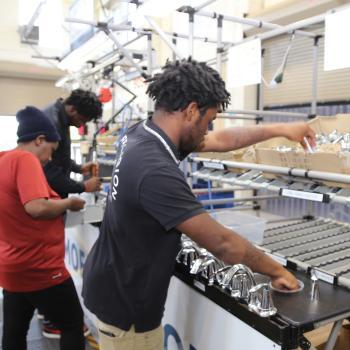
<point>79,108</point>
<point>127,273</point>
<point>76,110</point>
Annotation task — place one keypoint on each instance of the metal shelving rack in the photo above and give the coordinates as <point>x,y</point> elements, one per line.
<point>333,264</point>
<point>317,244</point>
<point>297,183</point>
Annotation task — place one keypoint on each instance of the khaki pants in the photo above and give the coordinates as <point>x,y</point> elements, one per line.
<point>113,338</point>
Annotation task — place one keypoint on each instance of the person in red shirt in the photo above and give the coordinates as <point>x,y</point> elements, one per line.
<point>32,270</point>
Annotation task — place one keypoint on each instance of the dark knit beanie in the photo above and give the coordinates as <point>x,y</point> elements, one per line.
<point>32,123</point>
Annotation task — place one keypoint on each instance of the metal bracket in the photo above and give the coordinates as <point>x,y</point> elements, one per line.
<point>187,9</point>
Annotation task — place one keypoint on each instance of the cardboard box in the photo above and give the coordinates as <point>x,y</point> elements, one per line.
<point>327,124</point>
<point>246,155</point>
<point>330,158</point>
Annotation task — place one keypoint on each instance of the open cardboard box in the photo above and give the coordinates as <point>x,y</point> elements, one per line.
<point>328,159</point>
<point>246,155</point>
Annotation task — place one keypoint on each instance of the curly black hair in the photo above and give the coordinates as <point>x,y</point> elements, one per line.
<point>86,103</point>
<point>186,81</point>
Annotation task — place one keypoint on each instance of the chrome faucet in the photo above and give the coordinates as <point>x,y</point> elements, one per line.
<point>188,253</point>
<point>260,300</point>
<point>208,266</point>
<point>238,279</point>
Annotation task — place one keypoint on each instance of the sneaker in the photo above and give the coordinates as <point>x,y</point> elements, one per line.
<point>52,332</point>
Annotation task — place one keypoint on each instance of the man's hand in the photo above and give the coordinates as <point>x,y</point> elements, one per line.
<point>89,168</point>
<point>284,280</point>
<point>298,132</point>
<point>93,184</point>
<point>76,204</point>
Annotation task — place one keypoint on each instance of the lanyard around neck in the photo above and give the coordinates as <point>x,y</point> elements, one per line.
<point>160,138</point>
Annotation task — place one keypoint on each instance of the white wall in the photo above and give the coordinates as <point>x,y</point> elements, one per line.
<point>23,80</point>
<point>16,93</point>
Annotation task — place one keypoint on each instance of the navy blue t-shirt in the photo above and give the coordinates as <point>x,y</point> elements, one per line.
<point>127,273</point>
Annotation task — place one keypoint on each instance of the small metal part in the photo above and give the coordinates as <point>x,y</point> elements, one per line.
<point>188,253</point>
<point>308,146</point>
<point>333,138</point>
<point>260,300</point>
<point>207,265</point>
<point>238,279</point>
<point>315,291</point>
<point>283,148</point>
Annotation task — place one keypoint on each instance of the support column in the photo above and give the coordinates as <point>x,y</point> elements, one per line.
<point>314,76</point>
<point>219,48</point>
<point>191,33</point>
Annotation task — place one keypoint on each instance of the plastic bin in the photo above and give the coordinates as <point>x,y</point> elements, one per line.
<point>250,227</point>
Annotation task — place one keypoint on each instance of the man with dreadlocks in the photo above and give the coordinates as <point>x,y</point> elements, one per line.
<point>127,273</point>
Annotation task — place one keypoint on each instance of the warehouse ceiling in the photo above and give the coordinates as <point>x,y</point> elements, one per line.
<point>16,58</point>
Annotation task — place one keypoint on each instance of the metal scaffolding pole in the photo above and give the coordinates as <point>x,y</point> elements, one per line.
<point>191,33</point>
<point>219,190</point>
<point>196,37</point>
<point>239,200</point>
<point>252,22</point>
<point>163,36</point>
<point>112,54</point>
<point>314,76</point>
<point>291,27</point>
<point>112,60</point>
<point>105,24</point>
<point>174,41</point>
<point>269,113</point>
<point>236,116</point>
<point>261,85</point>
<point>219,48</point>
<point>28,28</point>
<point>125,53</point>
<point>125,27</point>
<point>333,335</point>
<point>106,28</point>
<point>114,99</point>
<point>308,174</point>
